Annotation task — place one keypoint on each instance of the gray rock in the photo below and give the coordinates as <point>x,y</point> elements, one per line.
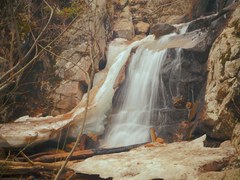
<point>162,29</point>
<point>198,24</point>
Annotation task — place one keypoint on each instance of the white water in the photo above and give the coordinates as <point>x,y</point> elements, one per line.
<point>102,101</point>
<point>131,124</point>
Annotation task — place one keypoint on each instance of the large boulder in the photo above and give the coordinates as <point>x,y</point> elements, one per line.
<point>161,29</point>
<point>222,99</point>
<point>179,160</point>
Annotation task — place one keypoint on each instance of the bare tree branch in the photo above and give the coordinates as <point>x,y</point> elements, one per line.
<point>29,51</point>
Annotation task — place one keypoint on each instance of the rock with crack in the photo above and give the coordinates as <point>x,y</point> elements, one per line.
<point>180,160</point>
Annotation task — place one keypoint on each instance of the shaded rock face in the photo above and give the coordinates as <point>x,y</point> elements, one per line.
<point>222,91</point>
<point>183,78</point>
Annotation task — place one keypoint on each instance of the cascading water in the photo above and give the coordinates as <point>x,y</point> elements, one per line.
<point>142,94</point>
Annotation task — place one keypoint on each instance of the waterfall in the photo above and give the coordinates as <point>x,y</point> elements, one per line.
<point>141,94</point>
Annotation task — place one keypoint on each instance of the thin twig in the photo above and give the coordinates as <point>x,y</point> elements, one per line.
<point>28,160</point>
<point>34,44</point>
<point>84,118</point>
<point>79,134</point>
<point>3,85</point>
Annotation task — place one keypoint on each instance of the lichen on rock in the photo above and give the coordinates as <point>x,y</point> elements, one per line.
<point>222,96</point>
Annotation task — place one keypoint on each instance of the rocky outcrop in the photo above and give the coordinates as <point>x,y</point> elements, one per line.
<point>162,29</point>
<point>73,62</point>
<point>222,91</point>
<point>182,160</point>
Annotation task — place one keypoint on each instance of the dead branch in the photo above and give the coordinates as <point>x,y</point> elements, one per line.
<point>70,154</point>
<point>30,50</point>
<point>83,154</point>
<point>13,167</point>
<point>90,80</point>
<point>4,84</point>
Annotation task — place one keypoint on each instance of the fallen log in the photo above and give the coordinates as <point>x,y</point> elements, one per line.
<point>15,168</point>
<point>82,154</point>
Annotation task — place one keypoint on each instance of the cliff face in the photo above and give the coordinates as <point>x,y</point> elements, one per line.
<point>222,96</point>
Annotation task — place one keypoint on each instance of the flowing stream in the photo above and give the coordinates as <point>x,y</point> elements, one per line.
<point>142,92</point>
